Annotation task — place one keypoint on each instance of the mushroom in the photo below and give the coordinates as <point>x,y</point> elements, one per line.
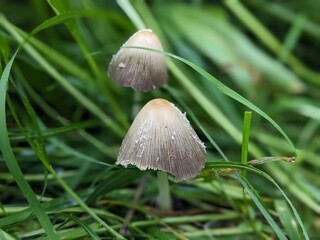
<point>161,138</point>
<point>143,70</point>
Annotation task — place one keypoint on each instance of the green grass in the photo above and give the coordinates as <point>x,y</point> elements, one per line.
<point>237,68</point>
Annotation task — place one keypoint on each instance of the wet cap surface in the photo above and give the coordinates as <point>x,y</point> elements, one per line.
<point>161,138</point>
<point>142,70</point>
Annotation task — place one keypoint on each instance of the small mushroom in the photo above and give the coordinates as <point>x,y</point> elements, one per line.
<point>142,70</point>
<point>161,138</point>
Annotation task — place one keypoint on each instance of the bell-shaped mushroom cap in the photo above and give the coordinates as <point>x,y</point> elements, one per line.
<point>161,138</point>
<point>142,70</point>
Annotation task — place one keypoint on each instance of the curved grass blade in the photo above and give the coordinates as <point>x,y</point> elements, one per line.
<point>224,89</point>
<point>4,235</point>
<point>114,179</point>
<point>61,7</point>
<point>254,195</point>
<point>43,157</point>
<point>269,40</point>
<point>231,93</point>
<point>235,165</point>
<point>287,220</point>
<point>245,138</point>
<point>267,176</point>
<point>258,202</point>
<point>77,154</point>
<point>56,20</point>
<point>12,163</point>
<point>37,143</point>
<point>77,94</point>
<point>52,132</point>
<point>131,12</point>
<point>92,234</point>
<point>296,214</point>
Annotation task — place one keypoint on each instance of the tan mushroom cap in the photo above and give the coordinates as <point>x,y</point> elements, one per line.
<point>142,70</point>
<point>161,138</point>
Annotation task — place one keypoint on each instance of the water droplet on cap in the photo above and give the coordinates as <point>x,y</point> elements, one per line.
<point>121,65</point>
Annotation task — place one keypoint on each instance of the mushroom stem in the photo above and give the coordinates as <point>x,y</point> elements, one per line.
<point>136,103</point>
<point>164,193</point>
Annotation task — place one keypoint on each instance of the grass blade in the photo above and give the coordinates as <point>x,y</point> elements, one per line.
<point>12,163</point>
<point>258,202</point>
<point>236,96</point>
<point>226,90</point>
<point>245,138</point>
<point>287,220</point>
<point>91,106</point>
<point>261,173</point>
<point>39,149</point>
<point>92,234</point>
<point>266,37</point>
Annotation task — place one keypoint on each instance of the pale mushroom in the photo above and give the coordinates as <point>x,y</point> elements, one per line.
<point>141,69</point>
<point>161,138</point>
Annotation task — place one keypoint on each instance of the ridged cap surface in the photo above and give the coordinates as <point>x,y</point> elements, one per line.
<point>142,70</point>
<point>161,138</point>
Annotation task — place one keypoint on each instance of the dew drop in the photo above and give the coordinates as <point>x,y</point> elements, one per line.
<point>121,65</point>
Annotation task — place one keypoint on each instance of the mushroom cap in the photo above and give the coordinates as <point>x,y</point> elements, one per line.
<point>140,69</point>
<point>161,138</point>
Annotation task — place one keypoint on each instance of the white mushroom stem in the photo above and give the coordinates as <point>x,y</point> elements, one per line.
<point>164,192</point>
<point>136,103</point>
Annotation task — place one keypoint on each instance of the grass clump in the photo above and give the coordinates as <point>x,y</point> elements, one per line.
<point>62,120</point>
